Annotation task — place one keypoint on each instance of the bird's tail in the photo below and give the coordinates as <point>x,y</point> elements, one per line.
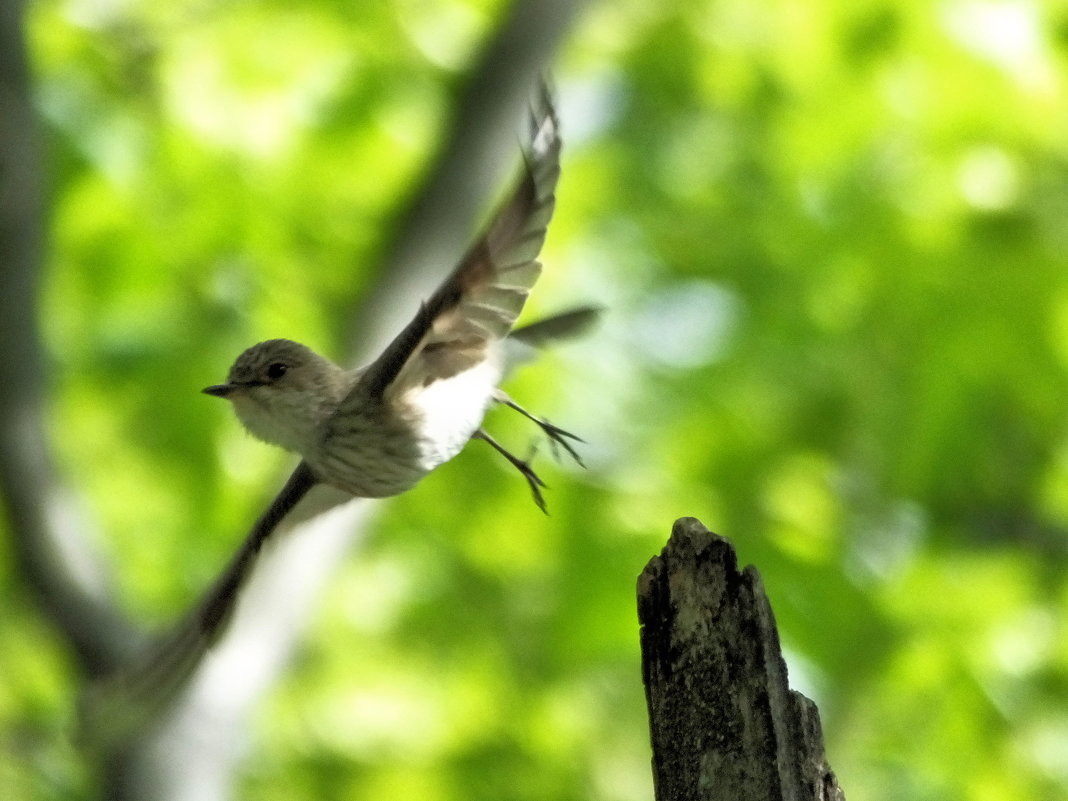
<point>566,325</point>
<point>523,343</point>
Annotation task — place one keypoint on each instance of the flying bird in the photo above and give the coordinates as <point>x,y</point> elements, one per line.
<point>377,430</point>
<point>374,431</point>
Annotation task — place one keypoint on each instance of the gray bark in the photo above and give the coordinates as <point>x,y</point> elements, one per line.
<point>724,723</point>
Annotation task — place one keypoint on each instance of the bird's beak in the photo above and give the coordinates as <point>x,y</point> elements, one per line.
<point>220,390</point>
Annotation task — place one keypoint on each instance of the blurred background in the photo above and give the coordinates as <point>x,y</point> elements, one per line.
<point>830,239</point>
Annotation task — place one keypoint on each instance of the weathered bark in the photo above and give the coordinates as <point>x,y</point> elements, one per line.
<point>725,725</point>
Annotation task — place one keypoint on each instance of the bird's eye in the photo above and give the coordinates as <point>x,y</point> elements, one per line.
<point>276,370</point>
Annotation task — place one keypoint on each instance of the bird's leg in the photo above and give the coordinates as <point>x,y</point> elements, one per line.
<point>522,466</point>
<point>556,435</point>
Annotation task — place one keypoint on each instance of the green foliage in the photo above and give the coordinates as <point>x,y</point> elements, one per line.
<point>831,240</point>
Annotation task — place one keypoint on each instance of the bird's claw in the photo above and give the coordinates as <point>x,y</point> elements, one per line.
<point>558,438</point>
<point>522,465</point>
<point>535,482</point>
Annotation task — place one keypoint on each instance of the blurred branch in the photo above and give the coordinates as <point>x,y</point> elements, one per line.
<point>725,724</point>
<point>46,527</point>
<point>433,229</point>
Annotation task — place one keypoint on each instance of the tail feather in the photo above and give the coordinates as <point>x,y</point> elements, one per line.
<point>566,325</point>
<point>522,344</point>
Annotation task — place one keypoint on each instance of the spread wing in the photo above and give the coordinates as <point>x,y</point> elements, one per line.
<point>480,301</point>
<point>118,707</point>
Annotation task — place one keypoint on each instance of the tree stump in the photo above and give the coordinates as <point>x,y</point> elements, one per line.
<point>725,725</point>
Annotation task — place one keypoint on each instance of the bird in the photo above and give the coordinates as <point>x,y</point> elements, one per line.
<point>376,431</point>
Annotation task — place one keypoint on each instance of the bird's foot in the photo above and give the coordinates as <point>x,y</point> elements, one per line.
<point>558,437</point>
<point>522,465</point>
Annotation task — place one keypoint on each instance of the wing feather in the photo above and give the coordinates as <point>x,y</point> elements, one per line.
<point>481,299</point>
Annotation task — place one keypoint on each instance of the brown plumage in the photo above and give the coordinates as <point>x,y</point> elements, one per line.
<point>374,431</point>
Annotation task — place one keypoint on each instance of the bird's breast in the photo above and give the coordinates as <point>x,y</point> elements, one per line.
<point>385,447</point>
<point>447,412</point>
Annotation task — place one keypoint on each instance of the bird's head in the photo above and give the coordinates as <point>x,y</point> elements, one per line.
<point>282,391</point>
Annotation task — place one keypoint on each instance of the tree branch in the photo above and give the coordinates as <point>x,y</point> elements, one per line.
<point>724,723</point>
<point>433,229</point>
<point>47,527</point>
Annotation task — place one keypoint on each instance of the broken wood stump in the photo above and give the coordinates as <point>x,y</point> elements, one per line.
<point>725,725</point>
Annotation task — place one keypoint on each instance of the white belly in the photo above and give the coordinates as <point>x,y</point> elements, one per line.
<point>385,449</point>
<point>447,412</point>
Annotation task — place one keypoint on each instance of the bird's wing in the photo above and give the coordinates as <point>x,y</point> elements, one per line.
<point>118,707</point>
<point>480,301</point>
